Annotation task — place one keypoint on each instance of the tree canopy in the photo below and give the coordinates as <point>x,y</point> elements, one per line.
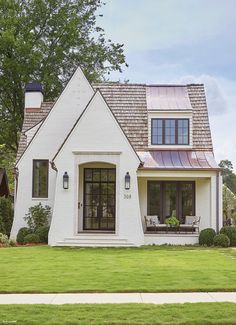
<point>45,40</point>
<point>229,178</point>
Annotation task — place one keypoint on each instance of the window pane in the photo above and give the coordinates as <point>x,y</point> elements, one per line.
<point>104,174</point>
<point>169,131</point>
<point>183,131</point>
<point>88,174</point>
<point>40,178</point>
<point>111,175</point>
<point>157,131</point>
<point>154,198</point>
<point>96,175</point>
<point>187,199</point>
<point>154,139</point>
<point>170,201</point>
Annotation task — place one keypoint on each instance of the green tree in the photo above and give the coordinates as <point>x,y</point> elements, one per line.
<point>44,40</point>
<point>229,202</point>
<point>7,160</point>
<point>229,178</point>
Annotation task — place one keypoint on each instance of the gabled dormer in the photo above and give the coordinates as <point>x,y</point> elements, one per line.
<point>170,117</point>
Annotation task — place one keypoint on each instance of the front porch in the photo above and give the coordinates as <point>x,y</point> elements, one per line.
<point>188,196</point>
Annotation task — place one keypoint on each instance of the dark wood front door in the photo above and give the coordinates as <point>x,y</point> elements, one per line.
<point>99,199</point>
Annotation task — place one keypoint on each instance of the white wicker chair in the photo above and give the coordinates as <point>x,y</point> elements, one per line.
<point>191,222</point>
<point>151,222</point>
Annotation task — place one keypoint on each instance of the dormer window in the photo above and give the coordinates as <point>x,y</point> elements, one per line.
<point>169,131</point>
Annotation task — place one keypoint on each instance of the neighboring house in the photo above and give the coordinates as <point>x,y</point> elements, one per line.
<point>104,156</point>
<point>4,189</point>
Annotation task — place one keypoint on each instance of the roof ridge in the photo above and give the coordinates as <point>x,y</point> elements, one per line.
<point>118,83</point>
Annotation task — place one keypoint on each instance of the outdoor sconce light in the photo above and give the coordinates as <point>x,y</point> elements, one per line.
<point>65,181</point>
<point>127,181</point>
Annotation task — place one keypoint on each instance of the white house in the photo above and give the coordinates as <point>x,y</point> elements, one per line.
<point>115,160</point>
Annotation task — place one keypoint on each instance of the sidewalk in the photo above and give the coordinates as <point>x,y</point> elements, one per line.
<point>117,298</point>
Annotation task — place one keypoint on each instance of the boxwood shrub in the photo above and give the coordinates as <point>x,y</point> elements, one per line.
<point>206,236</point>
<point>42,232</point>
<point>221,240</point>
<point>21,235</point>
<point>31,239</point>
<point>231,233</point>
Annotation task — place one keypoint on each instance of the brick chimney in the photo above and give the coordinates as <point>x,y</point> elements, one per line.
<point>33,97</point>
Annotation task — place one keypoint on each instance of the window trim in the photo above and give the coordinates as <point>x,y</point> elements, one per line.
<point>33,180</point>
<point>176,132</point>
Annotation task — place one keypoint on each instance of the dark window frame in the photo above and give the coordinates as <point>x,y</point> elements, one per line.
<point>178,198</point>
<point>33,180</point>
<point>114,182</point>
<point>164,133</point>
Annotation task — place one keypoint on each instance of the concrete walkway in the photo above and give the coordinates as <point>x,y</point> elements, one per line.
<point>117,298</point>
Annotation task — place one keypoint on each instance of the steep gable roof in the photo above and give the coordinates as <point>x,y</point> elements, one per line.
<point>129,105</point>
<point>76,95</point>
<point>97,95</point>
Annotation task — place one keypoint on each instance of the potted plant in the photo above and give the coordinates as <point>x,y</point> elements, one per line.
<point>172,221</point>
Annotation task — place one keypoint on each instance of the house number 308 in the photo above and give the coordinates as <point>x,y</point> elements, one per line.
<point>127,196</point>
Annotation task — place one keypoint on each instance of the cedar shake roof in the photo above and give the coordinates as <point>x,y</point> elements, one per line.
<point>129,104</point>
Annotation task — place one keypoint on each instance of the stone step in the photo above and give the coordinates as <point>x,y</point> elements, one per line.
<point>93,244</point>
<point>94,240</point>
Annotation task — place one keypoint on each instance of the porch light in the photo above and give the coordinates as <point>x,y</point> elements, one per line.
<point>127,181</point>
<point>65,181</point>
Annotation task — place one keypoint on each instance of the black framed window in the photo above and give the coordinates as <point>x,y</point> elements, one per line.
<point>166,197</point>
<point>40,179</point>
<point>169,131</point>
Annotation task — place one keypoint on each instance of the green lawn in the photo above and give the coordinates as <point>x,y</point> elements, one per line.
<point>188,314</point>
<point>147,269</point>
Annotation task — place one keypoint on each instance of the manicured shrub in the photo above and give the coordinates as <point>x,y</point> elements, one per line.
<point>21,235</point>
<point>206,236</point>
<point>4,240</point>
<point>231,233</point>
<point>6,215</point>
<point>12,243</point>
<point>42,232</point>
<point>31,239</point>
<point>221,240</point>
<point>38,216</point>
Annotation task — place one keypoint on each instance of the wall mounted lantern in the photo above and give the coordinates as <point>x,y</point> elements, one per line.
<point>65,181</point>
<point>127,181</point>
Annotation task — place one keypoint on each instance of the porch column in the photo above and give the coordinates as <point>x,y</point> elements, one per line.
<point>216,202</point>
<point>213,202</point>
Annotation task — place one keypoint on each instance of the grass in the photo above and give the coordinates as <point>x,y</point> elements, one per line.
<point>149,269</point>
<point>199,313</point>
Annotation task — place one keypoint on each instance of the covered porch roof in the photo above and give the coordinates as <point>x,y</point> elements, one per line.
<point>178,160</point>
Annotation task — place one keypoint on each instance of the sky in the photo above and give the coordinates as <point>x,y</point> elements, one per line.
<point>181,41</point>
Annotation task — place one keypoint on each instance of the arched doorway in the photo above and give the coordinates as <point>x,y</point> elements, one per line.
<point>99,197</point>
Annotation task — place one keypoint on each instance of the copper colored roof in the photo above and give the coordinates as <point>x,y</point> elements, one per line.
<point>168,98</point>
<point>177,159</point>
